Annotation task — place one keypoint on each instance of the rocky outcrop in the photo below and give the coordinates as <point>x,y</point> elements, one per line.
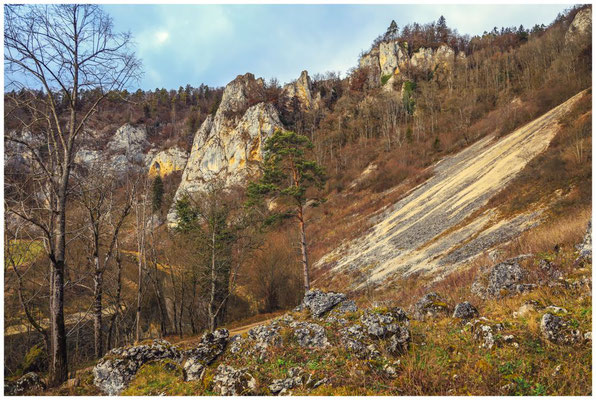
<point>28,383</point>
<point>309,334</point>
<point>281,386</point>
<point>319,302</point>
<point>211,346</point>
<point>125,150</point>
<point>504,278</point>
<point>298,95</point>
<point>117,368</point>
<point>391,60</point>
<point>167,161</point>
<point>580,26</point>
<point>229,381</point>
<point>228,146</point>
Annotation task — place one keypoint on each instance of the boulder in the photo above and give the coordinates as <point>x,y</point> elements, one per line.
<point>465,310</point>
<point>557,330</point>
<point>210,347</point>
<point>309,334</point>
<point>430,305</point>
<point>319,302</point>
<point>384,324</point>
<point>117,368</point>
<point>503,278</point>
<point>398,343</point>
<point>229,381</point>
<point>28,383</point>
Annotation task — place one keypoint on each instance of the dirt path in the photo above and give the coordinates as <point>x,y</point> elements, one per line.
<point>418,233</point>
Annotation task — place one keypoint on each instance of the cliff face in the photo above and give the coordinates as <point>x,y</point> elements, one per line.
<point>228,146</point>
<point>390,61</point>
<point>167,161</point>
<point>581,25</point>
<point>299,94</point>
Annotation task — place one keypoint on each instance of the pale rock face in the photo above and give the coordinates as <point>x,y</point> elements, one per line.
<point>130,140</point>
<point>167,161</point>
<point>422,59</point>
<point>582,24</point>
<point>301,89</point>
<point>228,146</point>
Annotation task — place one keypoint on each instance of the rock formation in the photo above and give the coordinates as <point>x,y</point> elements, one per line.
<point>228,146</point>
<point>581,25</point>
<point>299,92</point>
<point>390,61</point>
<point>167,161</point>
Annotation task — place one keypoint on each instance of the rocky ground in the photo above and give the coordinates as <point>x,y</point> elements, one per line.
<point>426,232</point>
<point>526,330</point>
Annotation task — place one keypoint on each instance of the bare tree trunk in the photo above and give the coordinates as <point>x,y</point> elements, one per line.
<point>211,309</point>
<point>303,249</point>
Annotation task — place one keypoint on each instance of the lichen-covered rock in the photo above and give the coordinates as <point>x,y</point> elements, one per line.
<point>229,145</point>
<point>28,383</point>
<point>229,381</point>
<point>558,331</point>
<point>36,359</point>
<point>264,336</point>
<point>384,324</point>
<point>465,310</point>
<point>115,370</point>
<point>430,305</point>
<point>167,161</point>
<point>309,334</point>
<point>235,344</point>
<point>319,302</point>
<point>503,278</point>
<point>485,332</point>
<point>281,386</point>
<point>209,348</point>
<point>398,343</point>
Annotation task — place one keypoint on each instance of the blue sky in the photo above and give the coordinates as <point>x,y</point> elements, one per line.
<point>211,44</point>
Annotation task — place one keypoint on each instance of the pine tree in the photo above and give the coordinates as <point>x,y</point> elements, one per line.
<point>287,176</point>
<point>157,191</point>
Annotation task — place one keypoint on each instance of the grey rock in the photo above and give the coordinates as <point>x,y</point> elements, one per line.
<point>430,305</point>
<point>557,330</point>
<point>465,310</point>
<point>209,348</point>
<point>585,248</point>
<point>310,335</point>
<point>281,386</point>
<point>319,302</point>
<point>398,343</point>
<point>28,383</point>
<point>503,278</point>
<point>383,324</point>
<point>113,372</point>
<point>264,336</point>
<point>485,333</point>
<point>235,344</point>
<point>229,381</point>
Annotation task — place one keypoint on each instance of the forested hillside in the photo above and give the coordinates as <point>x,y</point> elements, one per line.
<point>173,212</point>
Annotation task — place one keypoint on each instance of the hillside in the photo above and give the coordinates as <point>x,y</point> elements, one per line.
<point>417,227</point>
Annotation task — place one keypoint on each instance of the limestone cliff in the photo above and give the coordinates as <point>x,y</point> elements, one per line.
<point>300,92</point>
<point>167,161</point>
<point>390,61</point>
<point>581,25</point>
<point>228,145</point>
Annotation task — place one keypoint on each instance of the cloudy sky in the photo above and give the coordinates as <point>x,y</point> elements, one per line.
<point>211,44</point>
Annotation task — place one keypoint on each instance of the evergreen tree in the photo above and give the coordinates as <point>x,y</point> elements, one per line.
<point>157,193</point>
<point>287,176</point>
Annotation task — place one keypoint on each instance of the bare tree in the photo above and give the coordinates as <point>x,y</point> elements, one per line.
<point>97,195</point>
<point>64,49</point>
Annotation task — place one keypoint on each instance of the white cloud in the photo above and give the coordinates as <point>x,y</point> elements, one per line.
<point>161,37</point>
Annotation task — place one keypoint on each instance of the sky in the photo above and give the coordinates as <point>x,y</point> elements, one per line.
<point>212,44</point>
